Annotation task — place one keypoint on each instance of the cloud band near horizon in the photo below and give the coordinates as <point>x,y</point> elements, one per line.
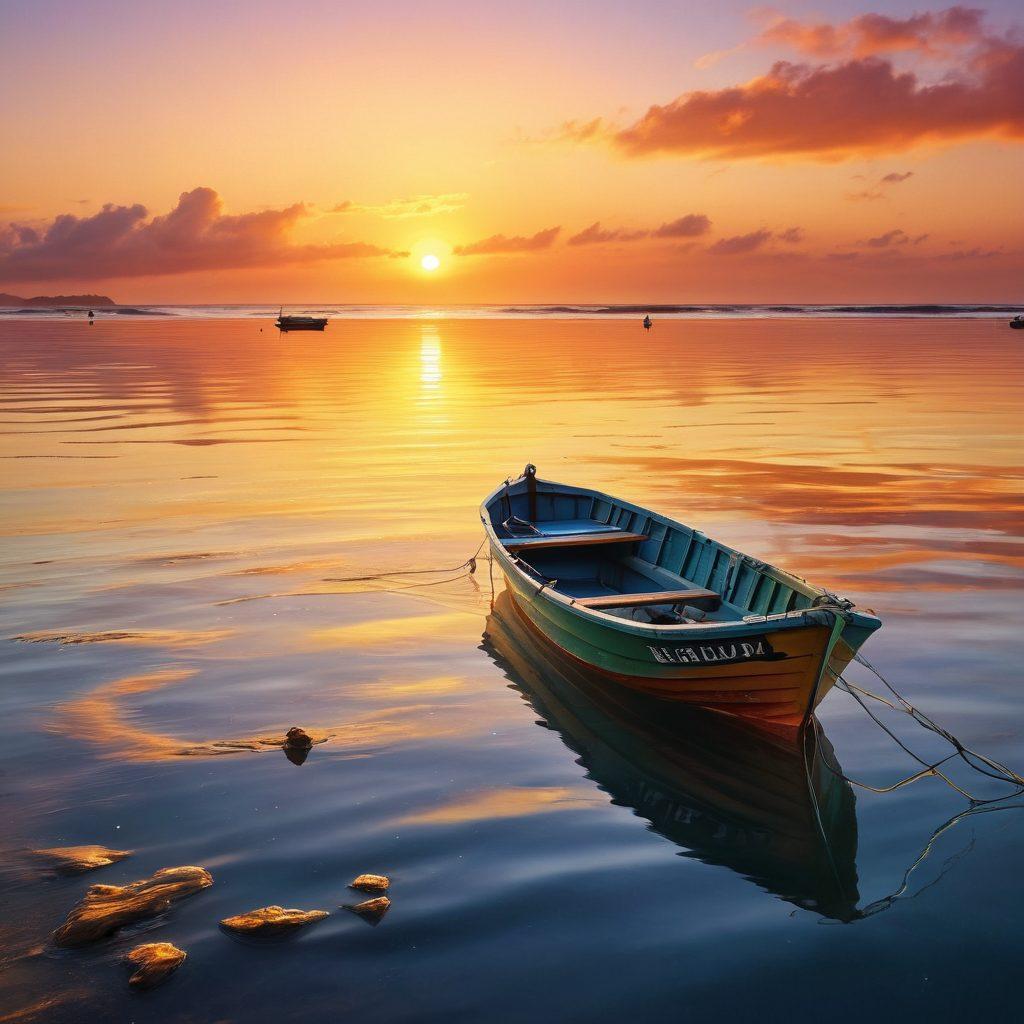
<point>691,225</point>
<point>497,244</point>
<point>125,241</point>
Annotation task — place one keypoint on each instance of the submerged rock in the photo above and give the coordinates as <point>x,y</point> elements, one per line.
<point>154,963</point>
<point>297,745</point>
<point>296,737</point>
<point>271,921</point>
<point>371,883</point>
<point>106,908</point>
<point>256,744</point>
<point>371,911</point>
<point>75,860</point>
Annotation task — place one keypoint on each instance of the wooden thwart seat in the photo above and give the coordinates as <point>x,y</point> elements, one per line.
<point>636,600</point>
<point>572,540</point>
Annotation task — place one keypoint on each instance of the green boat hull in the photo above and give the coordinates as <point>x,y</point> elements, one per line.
<point>771,656</point>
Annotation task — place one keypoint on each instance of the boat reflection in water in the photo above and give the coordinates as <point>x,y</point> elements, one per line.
<point>724,792</point>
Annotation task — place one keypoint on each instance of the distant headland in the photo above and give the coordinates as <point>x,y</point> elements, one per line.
<point>56,301</point>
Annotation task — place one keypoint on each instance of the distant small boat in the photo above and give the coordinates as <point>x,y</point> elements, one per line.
<point>299,323</point>
<point>647,323</point>
<point>661,608</point>
<point>1017,323</point>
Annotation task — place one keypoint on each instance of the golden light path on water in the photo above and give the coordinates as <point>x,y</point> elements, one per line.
<point>194,514</point>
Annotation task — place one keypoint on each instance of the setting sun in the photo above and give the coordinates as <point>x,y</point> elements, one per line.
<point>430,262</point>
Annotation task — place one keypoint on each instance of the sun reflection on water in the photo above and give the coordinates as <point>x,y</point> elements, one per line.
<point>431,372</point>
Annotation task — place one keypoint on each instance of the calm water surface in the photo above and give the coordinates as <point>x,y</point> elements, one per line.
<point>181,505</point>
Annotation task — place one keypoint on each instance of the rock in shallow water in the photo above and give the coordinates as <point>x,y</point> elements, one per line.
<point>154,963</point>
<point>371,911</point>
<point>75,860</point>
<point>106,908</point>
<point>296,737</point>
<point>271,920</point>
<point>371,883</point>
<point>297,745</point>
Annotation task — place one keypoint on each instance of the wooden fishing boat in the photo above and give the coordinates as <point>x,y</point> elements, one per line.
<point>286,322</point>
<point>666,610</point>
<point>724,792</point>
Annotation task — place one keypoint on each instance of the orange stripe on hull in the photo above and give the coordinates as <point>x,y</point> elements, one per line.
<point>777,697</point>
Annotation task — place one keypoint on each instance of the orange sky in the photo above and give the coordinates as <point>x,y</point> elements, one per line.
<point>568,152</point>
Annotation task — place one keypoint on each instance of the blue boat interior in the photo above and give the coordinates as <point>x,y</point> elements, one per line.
<point>626,561</point>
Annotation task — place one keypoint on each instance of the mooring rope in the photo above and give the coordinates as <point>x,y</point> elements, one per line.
<point>469,565</point>
<point>883,903</point>
<point>977,805</point>
<point>1002,772</point>
<point>977,762</point>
